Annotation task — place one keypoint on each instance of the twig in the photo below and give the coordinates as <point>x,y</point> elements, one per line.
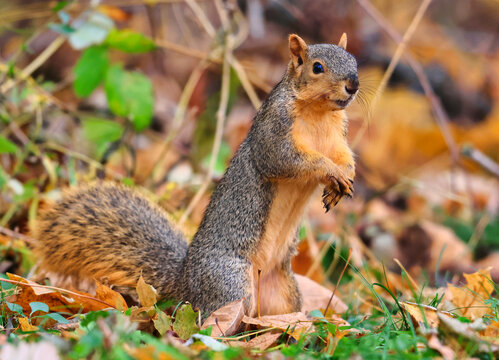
<point>258,292</point>
<point>245,82</point>
<point>181,49</point>
<point>393,63</point>
<point>440,114</point>
<point>481,159</point>
<point>180,112</point>
<point>17,235</point>
<point>219,328</point>
<point>221,115</point>
<point>57,289</point>
<point>35,64</point>
<point>338,282</point>
<point>203,20</point>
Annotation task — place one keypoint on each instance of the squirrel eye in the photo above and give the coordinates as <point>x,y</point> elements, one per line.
<point>317,68</point>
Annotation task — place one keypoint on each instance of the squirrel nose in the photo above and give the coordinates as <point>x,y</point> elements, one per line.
<point>352,85</point>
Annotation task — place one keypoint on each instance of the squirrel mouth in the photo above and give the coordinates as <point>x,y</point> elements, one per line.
<point>343,103</point>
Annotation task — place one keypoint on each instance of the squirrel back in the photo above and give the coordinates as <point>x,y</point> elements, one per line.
<point>248,235</point>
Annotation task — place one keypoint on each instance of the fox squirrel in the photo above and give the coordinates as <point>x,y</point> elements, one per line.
<point>297,141</point>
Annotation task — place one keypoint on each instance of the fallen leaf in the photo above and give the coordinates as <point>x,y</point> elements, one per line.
<point>185,322</point>
<point>445,247</point>
<point>147,294</point>
<point>262,342</point>
<point>446,352</point>
<point>73,301</point>
<point>25,325</point>
<point>422,314</point>
<point>229,319</point>
<point>163,323</point>
<point>112,297</point>
<point>316,296</point>
<point>470,299</point>
<point>297,323</point>
<point>480,283</point>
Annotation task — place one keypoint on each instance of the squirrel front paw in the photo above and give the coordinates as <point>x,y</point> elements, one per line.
<point>339,185</point>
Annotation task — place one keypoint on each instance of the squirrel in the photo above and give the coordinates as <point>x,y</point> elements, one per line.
<point>248,235</point>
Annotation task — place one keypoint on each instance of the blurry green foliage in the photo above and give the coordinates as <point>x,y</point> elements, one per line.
<point>90,70</point>
<point>130,95</point>
<point>129,41</point>
<point>7,146</point>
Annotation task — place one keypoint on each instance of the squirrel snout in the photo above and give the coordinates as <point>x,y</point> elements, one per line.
<point>352,84</point>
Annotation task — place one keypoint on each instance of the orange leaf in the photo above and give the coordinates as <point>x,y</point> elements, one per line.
<point>25,325</point>
<point>470,299</point>
<point>422,314</point>
<point>112,297</point>
<point>147,294</point>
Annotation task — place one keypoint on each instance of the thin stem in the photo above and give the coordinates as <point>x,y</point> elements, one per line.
<point>221,115</point>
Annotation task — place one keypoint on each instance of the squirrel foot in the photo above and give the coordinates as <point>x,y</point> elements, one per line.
<point>335,190</point>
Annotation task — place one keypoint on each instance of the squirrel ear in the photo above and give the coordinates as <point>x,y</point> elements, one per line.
<point>298,49</point>
<point>343,41</point>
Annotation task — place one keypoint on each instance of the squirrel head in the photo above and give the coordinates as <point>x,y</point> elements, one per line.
<point>323,74</point>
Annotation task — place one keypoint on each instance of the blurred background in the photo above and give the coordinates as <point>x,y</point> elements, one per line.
<point>135,90</point>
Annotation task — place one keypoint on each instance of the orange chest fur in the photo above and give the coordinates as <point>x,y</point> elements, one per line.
<point>323,133</point>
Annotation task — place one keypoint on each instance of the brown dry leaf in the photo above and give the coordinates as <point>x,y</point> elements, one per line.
<point>25,325</point>
<point>112,297</point>
<point>443,238</point>
<point>297,323</point>
<point>229,319</point>
<point>147,294</point>
<point>446,352</point>
<point>420,313</point>
<point>316,296</point>
<point>470,299</point>
<point>262,342</point>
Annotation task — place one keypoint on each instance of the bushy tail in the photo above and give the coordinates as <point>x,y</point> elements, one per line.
<point>112,233</point>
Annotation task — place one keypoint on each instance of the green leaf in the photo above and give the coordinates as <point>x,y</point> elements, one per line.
<point>14,307</point>
<point>92,32</point>
<point>163,323</point>
<point>58,317</point>
<point>130,95</point>
<point>100,131</point>
<point>90,70</point>
<point>59,6</point>
<point>6,285</point>
<point>185,322</point>
<point>38,306</point>
<point>129,41</point>
<point>7,146</point>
